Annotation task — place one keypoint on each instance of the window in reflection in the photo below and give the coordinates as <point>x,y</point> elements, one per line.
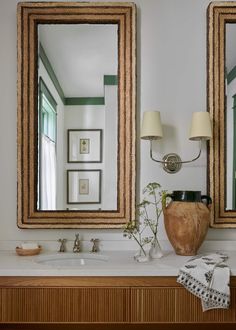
<point>230,81</point>
<point>47,147</point>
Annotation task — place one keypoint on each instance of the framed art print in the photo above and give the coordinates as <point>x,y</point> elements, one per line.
<point>84,186</point>
<point>84,146</point>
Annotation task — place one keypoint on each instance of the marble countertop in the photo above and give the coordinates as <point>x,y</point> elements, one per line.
<point>114,263</point>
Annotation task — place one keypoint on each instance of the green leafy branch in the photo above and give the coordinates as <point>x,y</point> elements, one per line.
<point>153,198</point>
<point>131,230</point>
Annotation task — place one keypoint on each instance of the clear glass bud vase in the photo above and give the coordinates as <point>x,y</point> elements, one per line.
<point>155,251</point>
<point>141,256</point>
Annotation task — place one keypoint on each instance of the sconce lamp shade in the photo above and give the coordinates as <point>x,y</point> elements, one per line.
<point>151,126</point>
<point>200,126</point>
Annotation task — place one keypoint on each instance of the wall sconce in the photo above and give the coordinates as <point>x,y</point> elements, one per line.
<point>152,130</point>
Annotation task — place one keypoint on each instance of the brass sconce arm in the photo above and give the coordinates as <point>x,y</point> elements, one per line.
<point>172,162</point>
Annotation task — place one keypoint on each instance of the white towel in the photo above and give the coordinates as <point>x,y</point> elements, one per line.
<point>29,246</point>
<point>207,277</point>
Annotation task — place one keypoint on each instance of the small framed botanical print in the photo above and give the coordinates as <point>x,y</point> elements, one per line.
<point>84,186</point>
<point>84,146</point>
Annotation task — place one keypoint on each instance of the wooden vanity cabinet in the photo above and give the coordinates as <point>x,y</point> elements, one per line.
<point>109,300</point>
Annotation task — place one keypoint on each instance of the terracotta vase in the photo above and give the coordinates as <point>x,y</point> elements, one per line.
<point>186,220</point>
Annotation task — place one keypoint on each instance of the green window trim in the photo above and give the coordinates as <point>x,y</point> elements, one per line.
<point>47,112</point>
<point>43,89</point>
<point>108,80</point>
<point>51,73</point>
<point>47,116</point>
<point>231,75</point>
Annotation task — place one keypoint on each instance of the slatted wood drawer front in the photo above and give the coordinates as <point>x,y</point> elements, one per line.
<point>106,300</point>
<point>152,304</point>
<point>189,309</point>
<point>64,305</point>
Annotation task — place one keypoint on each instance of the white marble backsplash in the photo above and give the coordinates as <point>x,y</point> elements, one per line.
<point>114,245</point>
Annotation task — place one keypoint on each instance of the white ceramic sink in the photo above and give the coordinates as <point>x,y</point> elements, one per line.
<point>71,259</point>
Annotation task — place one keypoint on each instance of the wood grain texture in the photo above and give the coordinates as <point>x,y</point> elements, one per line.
<point>29,15</point>
<point>64,305</point>
<point>117,326</point>
<point>91,281</point>
<point>108,300</point>
<point>152,305</point>
<point>190,309</point>
<point>219,13</point>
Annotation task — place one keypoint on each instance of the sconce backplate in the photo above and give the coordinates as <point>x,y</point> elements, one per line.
<point>172,163</point>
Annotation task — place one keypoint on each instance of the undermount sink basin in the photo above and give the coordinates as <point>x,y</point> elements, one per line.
<point>71,259</point>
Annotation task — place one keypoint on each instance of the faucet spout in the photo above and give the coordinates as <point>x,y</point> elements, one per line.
<point>76,247</point>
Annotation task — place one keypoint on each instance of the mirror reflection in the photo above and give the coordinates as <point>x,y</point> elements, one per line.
<point>230,63</point>
<point>77,116</point>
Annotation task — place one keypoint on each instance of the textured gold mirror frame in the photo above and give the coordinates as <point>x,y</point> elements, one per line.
<point>219,13</point>
<point>29,16</point>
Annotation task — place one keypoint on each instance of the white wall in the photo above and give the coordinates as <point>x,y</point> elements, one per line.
<point>82,117</point>
<point>171,55</point>
<point>81,46</point>
<point>230,45</point>
<point>110,147</point>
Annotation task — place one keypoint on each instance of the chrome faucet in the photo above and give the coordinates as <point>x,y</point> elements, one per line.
<point>62,246</point>
<point>95,247</point>
<point>76,247</point>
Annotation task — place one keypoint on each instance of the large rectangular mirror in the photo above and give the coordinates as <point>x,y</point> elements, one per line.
<point>76,114</point>
<point>222,106</point>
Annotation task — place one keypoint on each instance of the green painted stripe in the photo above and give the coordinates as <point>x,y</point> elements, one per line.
<point>110,80</point>
<point>51,72</point>
<point>84,101</point>
<point>231,75</point>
